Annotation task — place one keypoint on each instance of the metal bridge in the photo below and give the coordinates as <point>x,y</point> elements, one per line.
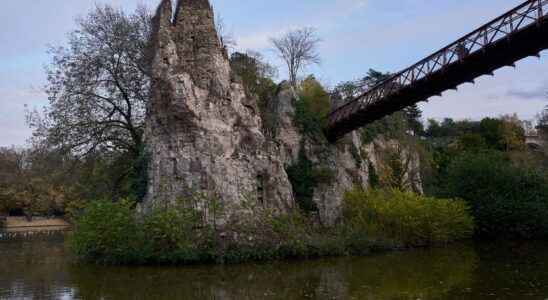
<point>519,33</point>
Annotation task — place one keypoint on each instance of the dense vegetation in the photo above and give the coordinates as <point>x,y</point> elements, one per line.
<point>109,233</point>
<point>428,185</point>
<point>507,200</point>
<point>406,218</point>
<point>488,164</point>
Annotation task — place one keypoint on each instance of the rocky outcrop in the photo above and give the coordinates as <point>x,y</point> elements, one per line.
<point>204,135</point>
<point>350,160</point>
<point>343,159</point>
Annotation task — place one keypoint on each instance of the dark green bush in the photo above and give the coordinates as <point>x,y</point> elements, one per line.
<point>506,200</point>
<point>312,109</point>
<point>305,177</point>
<point>111,233</point>
<point>405,218</point>
<point>170,235</point>
<point>108,233</point>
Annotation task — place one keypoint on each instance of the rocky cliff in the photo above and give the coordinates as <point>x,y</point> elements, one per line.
<point>343,160</point>
<point>206,136</point>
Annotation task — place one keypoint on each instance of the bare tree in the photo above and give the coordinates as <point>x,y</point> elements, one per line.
<point>98,85</point>
<point>226,38</point>
<point>298,49</point>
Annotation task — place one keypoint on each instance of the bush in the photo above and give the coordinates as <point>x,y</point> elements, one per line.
<point>405,218</point>
<point>170,235</point>
<point>506,200</point>
<point>305,176</point>
<point>111,233</point>
<point>107,233</point>
<point>312,109</point>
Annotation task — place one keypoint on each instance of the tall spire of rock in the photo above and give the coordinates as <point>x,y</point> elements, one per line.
<point>163,15</point>
<point>203,133</point>
<point>198,41</point>
<point>196,4</point>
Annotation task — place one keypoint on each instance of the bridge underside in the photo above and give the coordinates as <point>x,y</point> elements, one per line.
<point>529,41</point>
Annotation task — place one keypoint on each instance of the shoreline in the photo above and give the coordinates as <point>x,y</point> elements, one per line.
<point>38,224</point>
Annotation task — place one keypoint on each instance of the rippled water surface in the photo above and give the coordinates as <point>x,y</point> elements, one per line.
<point>42,269</point>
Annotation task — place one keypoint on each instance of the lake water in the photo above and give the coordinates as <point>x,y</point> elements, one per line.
<point>42,269</point>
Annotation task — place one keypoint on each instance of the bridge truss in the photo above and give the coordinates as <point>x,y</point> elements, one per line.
<point>519,33</point>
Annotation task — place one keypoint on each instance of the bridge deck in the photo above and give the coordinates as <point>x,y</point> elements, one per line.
<point>519,33</point>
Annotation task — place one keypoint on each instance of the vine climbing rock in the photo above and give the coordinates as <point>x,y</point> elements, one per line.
<point>204,134</point>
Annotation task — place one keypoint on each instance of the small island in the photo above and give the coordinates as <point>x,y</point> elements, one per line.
<point>167,151</point>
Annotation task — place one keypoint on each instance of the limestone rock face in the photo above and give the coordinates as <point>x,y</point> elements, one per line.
<point>206,136</point>
<point>340,158</point>
<point>349,160</point>
<point>203,133</point>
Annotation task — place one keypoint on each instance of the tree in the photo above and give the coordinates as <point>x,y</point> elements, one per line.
<point>506,199</point>
<point>33,181</point>
<point>98,85</point>
<point>349,90</point>
<point>312,109</point>
<point>226,39</point>
<point>298,49</point>
<point>256,74</point>
<point>414,114</point>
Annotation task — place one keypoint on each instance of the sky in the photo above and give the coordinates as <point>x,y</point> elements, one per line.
<point>356,35</point>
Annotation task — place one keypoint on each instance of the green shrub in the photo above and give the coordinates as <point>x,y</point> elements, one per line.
<point>111,233</point>
<point>506,200</point>
<point>405,218</point>
<point>312,109</point>
<point>171,236</point>
<point>293,234</point>
<point>107,233</point>
<point>301,175</point>
<point>374,181</point>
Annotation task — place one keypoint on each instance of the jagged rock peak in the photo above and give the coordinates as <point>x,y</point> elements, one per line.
<point>164,11</point>
<point>196,4</point>
<point>203,132</point>
<point>163,16</point>
<point>186,8</point>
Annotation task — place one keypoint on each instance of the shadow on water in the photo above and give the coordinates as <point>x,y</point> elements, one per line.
<point>41,269</point>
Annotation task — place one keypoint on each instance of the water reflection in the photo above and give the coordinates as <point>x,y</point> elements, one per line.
<point>41,270</point>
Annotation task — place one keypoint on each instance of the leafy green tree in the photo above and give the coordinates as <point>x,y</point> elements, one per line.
<point>506,200</point>
<point>98,85</point>
<point>414,115</point>
<point>256,75</point>
<point>312,108</point>
<point>397,124</point>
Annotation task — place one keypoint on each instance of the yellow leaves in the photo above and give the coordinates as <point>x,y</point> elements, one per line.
<point>407,218</point>
<point>315,96</point>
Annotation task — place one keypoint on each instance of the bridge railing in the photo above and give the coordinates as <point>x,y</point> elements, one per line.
<point>524,15</point>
